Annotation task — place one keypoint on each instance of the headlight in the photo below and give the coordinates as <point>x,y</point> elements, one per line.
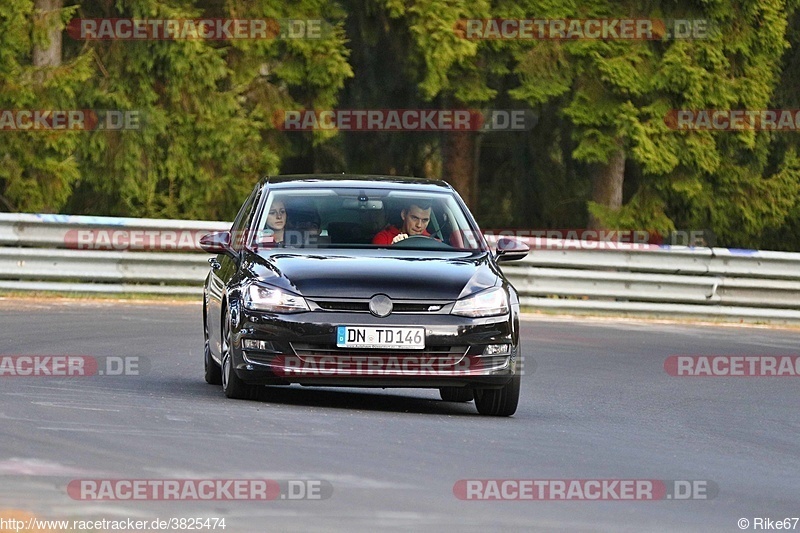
<point>261,298</point>
<point>490,302</point>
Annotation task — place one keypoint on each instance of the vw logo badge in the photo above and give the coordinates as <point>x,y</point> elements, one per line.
<point>380,305</point>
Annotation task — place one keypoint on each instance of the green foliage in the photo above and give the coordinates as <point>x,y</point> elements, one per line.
<point>208,110</point>
<point>452,64</point>
<point>620,92</point>
<point>645,211</point>
<point>37,169</point>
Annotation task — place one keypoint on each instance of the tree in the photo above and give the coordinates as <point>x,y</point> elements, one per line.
<point>786,145</point>
<point>619,92</point>
<point>207,109</point>
<point>37,168</point>
<point>455,72</point>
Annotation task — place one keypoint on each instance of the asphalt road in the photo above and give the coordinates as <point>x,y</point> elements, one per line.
<point>597,404</point>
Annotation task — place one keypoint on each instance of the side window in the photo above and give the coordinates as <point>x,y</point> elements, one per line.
<point>240,224</point>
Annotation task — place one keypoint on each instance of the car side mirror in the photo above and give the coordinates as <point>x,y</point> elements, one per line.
<point>509,249</point>
<point>218,242</point>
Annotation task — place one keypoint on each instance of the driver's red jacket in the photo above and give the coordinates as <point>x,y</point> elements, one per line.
<point>386,235</point>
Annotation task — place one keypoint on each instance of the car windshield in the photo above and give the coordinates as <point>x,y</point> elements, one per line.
<point>359,218</point>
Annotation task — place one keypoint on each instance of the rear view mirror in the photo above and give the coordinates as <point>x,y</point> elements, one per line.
<point>510,249</point>
<point>218,242</point>
<point>353,203</point>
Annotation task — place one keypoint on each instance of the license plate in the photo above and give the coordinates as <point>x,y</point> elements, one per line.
<point>383,338</point>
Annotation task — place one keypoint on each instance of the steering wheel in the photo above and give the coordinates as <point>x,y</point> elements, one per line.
<point>413,237</point>
<point>422,241</point>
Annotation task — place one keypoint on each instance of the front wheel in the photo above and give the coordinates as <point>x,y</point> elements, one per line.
<point>212,370</point>
<point>232,385</point>
<point>499,402</point>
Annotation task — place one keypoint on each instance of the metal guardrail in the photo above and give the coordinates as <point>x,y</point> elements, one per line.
<point>43,252</point>
<point>669,281</point>
<point>105,267</point>
<point>67,231</point>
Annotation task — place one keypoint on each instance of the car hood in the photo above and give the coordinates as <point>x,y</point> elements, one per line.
<point>426,276</point>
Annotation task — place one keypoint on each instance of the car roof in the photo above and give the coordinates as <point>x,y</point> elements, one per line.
<point>354,181</point>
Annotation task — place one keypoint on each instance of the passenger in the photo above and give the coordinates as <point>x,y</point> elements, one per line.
<point>276,221</point>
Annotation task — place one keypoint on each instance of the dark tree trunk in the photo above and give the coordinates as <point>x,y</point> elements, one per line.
<point>47,13</point>
<point>607,185</point>
<point>459,164</point>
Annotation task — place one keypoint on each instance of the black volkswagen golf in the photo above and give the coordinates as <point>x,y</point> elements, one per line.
<point>361,281</point>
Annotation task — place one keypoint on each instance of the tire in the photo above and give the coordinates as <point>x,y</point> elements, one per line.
<point>499,402</point>
<point>232,385</point>
<point>212,369</point>
<point>456,394</point>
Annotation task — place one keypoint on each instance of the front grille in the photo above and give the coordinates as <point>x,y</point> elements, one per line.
<point>443,354</point>
<point>426,307</point>
<point>344,305</point>
<point>431,360</point>
<point>362,306</point>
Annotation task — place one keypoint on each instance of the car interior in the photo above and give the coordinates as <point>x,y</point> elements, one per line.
<point>335,221</point>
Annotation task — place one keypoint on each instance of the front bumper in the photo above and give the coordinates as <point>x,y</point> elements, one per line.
<point>301,348</point>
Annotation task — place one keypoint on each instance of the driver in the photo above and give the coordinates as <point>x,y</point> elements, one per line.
<point>415,222</point>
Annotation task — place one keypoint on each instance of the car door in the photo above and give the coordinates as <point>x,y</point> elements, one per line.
<point>228,264</point>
